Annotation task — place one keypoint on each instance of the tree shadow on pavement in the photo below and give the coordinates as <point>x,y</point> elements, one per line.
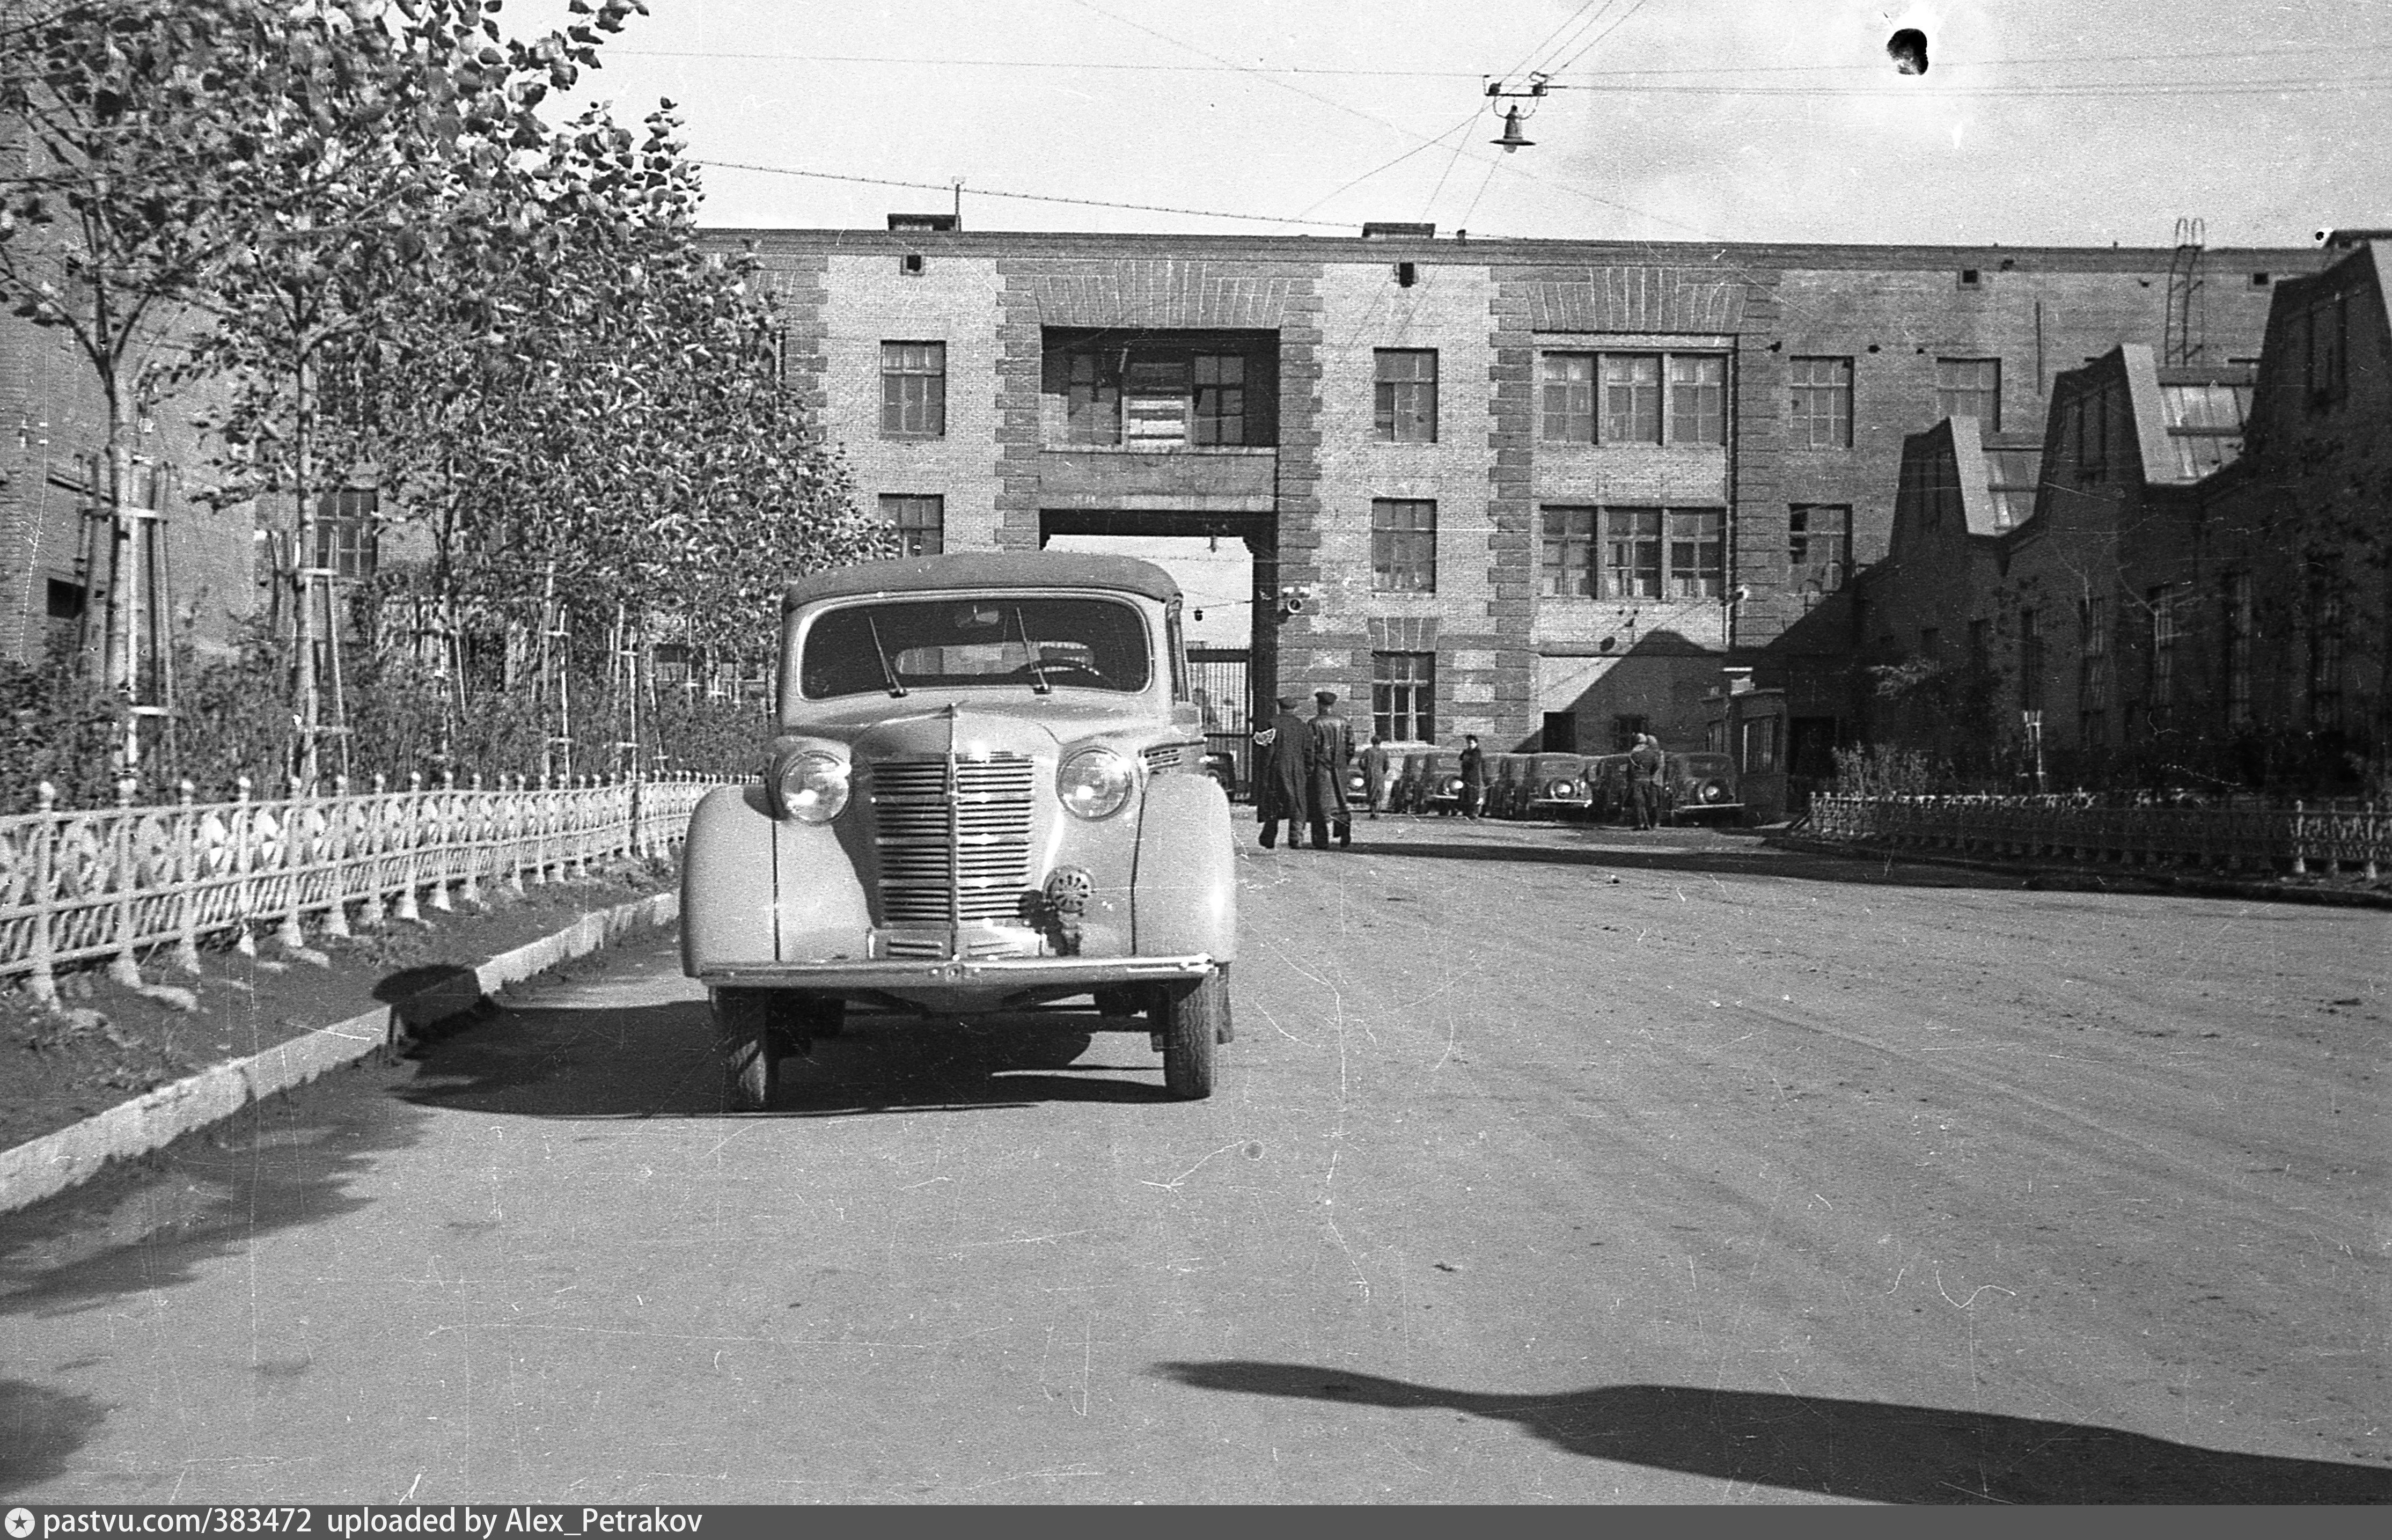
<point>154,1222</point>
<point>659,1061</point>
<point>38,1429</point>
<point>1869,1451</point>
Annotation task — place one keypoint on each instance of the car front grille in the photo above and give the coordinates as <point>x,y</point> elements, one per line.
<point>953,837</point>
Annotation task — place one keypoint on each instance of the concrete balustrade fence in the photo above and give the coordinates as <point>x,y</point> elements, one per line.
<point>2341,840</point>
<point>112,884</point>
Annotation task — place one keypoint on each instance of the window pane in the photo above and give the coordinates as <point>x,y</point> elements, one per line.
<point>1403,687</point>
<point>1698,400</point>
<point>1969,387</point>
<point>1405,403</point>
<point>919,521</point>
<point>1403,546</point>
<point>1631,398</point>
<point>914,387</point>
<point>1569,569</point>
<point>1697,553</point>
<point>1632,553</point>
<point>1568,398</point>
<point>1821,405</point>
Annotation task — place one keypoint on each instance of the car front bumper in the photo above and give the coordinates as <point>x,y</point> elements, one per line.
<point>908,978</point>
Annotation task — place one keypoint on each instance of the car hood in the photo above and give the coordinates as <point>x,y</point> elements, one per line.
<point>981,720</point>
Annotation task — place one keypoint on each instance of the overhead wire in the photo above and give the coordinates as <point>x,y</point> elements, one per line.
<point>978,192</point>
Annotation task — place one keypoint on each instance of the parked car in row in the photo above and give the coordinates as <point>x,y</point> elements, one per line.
<point>986,791</point>
<point>1546,786</point>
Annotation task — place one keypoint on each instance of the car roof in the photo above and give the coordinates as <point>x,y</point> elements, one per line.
<point>985,569</point>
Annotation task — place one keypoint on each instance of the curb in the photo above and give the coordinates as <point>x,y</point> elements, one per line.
<point>2098,878</point>
<point>45,1167</point>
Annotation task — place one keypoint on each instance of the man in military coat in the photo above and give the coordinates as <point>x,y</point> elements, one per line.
<point>1329,754</point>
<point>1281,786</point>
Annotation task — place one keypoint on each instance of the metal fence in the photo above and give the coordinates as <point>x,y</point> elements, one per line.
<point>78,887</point>
<point>2350,840</point>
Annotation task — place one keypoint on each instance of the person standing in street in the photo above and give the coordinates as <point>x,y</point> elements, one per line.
<point>1473,775</point>
<point>1645,780</point>
<point>1329,753</point>
<point>1280,785</point>
<point>1375,773</point>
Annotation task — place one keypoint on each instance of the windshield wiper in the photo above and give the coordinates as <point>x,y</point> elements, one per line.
<point>1037,668</point>
<point>888,670</point>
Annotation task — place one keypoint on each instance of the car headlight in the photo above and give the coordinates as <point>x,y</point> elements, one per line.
<point>1094,783</point>
<point>1561,788</point>
<point>812,787</point>
<point>1714,792</point>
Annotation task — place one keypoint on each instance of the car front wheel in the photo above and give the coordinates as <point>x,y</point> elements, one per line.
<point>751,1048</point>
<point>1191,1020</point>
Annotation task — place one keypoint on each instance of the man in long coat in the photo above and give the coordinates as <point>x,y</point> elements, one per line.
<point>1280,786</point>
<point>1330,754</point>
<point>1644,763</point>
<point>1375,773</point>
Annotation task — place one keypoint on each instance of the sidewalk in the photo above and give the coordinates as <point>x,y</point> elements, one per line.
<point>406,1002</point>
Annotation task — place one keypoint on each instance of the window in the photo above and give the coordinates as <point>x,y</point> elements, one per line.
<point>2237,638</point>
<point>1697,553</point>
<point>913,390</point>
<point>1759,756</point>
<point>1403,545</point>
<point>2162,683</point>
<point>1631,557</point>
<point>1220,407</point>
<point>1821,410</point>
<point>1407,394</point>
<point>1631,398</point>
<point>2012,474</point>
<point>1403,696</point>
<point>2328,358</point>
<point>2030,645</point>
<point>1819,545</point>
<point>1569,553</point>
<point>920,522</point>
<point>1930,644</point>
<point>1626,730</point>
<point>1568,390</point>
<point>669,665</point>
<point>1698,398</point>
<point>2093,673</point>
<point>345,534</point>
<point>2325,658</point>
<point>1092,399</point>
<point>1969,387</point>
<point>1618,397</point>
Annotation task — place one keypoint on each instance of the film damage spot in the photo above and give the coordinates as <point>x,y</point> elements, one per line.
<point>1907,48</point>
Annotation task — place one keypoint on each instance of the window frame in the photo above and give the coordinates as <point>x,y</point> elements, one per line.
<point>1804,395</point>
<point>1403,407</point>
<point>1403,555</point>
<point>346,545</point>
<point>1947,394</point>
<point>896,507</point>
<point>1799,559</point>
<point>1568,541</point>
<point>1403,693</point>
<point>900,409</point>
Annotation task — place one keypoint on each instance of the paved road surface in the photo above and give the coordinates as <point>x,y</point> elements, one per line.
<point>1549,1164</point>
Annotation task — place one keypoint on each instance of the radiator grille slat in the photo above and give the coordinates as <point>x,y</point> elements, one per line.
<point>959,855</point>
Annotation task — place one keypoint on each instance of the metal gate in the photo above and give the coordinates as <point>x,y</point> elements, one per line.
<point>1219,679</point>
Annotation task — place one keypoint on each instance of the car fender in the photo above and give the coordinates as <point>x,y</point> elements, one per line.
<point>760,889</point>
<point>1184,891</point>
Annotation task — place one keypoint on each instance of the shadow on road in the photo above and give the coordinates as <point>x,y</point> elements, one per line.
<point>38,1429</point>
<point>1865,1450</point>
<point>658,1060</point>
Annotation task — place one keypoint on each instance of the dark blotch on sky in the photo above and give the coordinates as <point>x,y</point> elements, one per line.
<point>1907,48</point>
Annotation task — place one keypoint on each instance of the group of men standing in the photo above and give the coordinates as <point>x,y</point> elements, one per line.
<point>1301,765</point>
<point>1300,775</point>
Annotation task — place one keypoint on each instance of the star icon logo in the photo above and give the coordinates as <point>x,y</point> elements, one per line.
<point>20,1522</point>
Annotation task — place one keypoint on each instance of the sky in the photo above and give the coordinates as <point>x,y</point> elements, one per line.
<point>2036,123</point>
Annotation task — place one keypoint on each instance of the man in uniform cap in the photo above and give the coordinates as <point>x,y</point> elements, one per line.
<point>1280,785</point>
<point>1329,752</point>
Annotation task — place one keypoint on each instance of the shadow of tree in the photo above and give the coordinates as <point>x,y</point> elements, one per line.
<point>38,1429</point>
<point>1871,1450</point>
<point>659,1061</point>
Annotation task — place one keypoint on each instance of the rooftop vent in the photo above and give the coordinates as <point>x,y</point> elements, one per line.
<point>925,222</point>
<point>1375,229</point>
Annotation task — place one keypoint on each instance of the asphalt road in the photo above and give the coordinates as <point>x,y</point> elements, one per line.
<point>1548,1165</point>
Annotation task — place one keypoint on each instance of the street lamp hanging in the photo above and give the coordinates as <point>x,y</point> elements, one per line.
<point>1515,115</point>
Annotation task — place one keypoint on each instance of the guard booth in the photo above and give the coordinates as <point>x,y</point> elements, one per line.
<point>1750,725</point>
<point>1222,680</point>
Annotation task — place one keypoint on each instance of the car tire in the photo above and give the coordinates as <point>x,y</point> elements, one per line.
<point>751,1048</point>
<point>1190,1018</point>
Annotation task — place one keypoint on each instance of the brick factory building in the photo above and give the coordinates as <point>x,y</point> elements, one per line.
<point>1542,491</point>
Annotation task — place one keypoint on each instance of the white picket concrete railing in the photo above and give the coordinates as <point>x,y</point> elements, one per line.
<point>2296,841</point>
<point>83,886</point>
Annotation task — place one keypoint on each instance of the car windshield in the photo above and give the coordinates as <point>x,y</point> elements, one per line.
<point>895,646</point>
